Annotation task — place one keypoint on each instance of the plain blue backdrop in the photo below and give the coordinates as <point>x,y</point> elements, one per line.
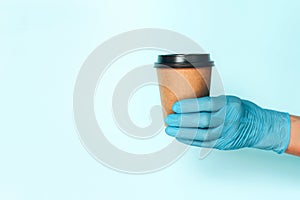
<point>43,44</point>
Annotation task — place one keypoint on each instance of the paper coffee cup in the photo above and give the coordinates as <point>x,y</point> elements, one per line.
<point>182,76</point>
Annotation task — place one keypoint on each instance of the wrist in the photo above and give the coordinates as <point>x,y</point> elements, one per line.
<point>275,127</point>
<point>294,144</point>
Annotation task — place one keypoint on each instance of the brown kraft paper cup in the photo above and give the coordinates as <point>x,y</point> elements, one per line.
<point>182,76</point>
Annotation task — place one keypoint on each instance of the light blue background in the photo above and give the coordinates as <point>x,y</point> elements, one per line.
<point>255,45</point>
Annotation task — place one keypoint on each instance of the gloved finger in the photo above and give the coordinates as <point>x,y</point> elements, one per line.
<point>206,144</point>
<point>194,133</point>
<point>195,120</point>
<point>189,120</point>
<point>207,104</point>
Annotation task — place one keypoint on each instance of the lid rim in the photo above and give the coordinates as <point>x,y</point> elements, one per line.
<point>184,61</point>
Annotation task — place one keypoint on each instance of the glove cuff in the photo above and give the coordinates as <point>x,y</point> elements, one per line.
<point>285,132</point>
<point>278,133</point>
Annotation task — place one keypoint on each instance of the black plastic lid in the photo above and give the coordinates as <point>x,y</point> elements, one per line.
<point>184,61</point>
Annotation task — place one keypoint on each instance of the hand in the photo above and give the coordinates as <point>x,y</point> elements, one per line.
<point>228,123</point>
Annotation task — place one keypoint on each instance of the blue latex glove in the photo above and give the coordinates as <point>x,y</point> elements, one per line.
<point>228,123</point>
